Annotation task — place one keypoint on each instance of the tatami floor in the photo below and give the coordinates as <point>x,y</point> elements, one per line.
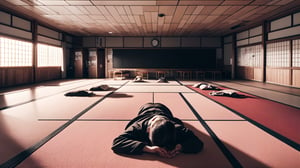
<point>40,127</point>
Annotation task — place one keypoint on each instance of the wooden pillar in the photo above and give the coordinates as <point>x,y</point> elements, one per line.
<point>264,43</point>
<point>34,50</point>
<point>291,63</point>
<point>234,57</point>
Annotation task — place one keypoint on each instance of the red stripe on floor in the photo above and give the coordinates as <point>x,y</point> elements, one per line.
<point>278,117</point>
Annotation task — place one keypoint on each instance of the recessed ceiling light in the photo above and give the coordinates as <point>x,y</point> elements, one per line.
<point>110,32</point>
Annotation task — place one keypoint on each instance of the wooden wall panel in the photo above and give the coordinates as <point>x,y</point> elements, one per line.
<point>211,42</point>
<point>284,33</point>
<point>296,78</point>
<point>133,42</point>
<point>170,42</point>
<point>114,42</point>
<point>250,73</point>
<point>296,18</point>
<point>190,42</point>
<point>281,23</point>
<point>245,73</point>
<point>48,73</point>
<point>242,35</point>
<point>5,18</point>
<point>21,23</point>
<point>278,76</point>
<point>15,32</point>
<point>242,42</point>
<point>255,31</point>
<point>258,74</point>
<point>256,39</point>
<point>89,41</point>
<point>48,40</point>
<point>11,76</point>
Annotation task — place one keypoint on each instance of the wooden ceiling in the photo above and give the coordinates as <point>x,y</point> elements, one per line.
<point>140,17</point>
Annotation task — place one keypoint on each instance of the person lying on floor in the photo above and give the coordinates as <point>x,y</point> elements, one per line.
<point>205,86</point>
<point>80,93</point>
<point>155,130</point>
<point>100,88</point>
<point>138,79</point>
<point>162,80</point>
<point>228,93</point>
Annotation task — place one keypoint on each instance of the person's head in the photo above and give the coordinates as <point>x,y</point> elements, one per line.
<point>162,132</point>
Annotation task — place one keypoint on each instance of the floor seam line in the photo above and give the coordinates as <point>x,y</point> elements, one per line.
<point>17,159</point>
<point>231,158</point>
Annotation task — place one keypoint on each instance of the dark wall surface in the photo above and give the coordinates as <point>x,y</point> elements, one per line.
<point>164,58</point>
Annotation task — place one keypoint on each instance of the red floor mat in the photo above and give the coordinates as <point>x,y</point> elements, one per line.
<point>278,117</point>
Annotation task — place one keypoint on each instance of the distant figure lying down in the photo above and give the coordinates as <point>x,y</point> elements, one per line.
<point>162,80</point>
<point>205,86</point>
<point>100,88</point>
<point>228,93</point>
<point>80,93</point>
<point>155,130</point>
<point>138,79</point>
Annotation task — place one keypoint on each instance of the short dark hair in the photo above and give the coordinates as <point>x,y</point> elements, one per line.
<point>164,134</point>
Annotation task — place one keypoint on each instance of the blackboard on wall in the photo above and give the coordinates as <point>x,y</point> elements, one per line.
<point>164,58</point>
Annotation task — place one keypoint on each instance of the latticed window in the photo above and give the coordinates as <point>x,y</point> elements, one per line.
<point>251,56</point>
<point>15,53</point>
<point>278,54</point>
<point>49,56</point>
<point>296,53</point>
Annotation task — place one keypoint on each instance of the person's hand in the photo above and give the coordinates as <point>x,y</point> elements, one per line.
<point>158,150</point>
<point>175,151</point>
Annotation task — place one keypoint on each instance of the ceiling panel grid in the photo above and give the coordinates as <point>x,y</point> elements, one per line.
<point>141,17</point>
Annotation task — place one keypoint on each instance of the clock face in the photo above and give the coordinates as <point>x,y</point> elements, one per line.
<point>155,42</point>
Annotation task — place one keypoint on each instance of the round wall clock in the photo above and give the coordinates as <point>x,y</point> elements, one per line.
<point>155,42</point>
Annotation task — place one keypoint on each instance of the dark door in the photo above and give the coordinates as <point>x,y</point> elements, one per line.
<point>101,63</point>
<point>78,64</point>
<point>92,64</point>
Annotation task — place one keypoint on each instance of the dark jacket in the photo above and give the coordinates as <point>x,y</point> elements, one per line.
<point>135,137</point>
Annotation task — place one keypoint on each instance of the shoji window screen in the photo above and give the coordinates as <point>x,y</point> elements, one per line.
<point>250,56</point>
<point>15,53</point>
<point>49,56</point>
<point>278,54</point>
<point>296,53</point>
